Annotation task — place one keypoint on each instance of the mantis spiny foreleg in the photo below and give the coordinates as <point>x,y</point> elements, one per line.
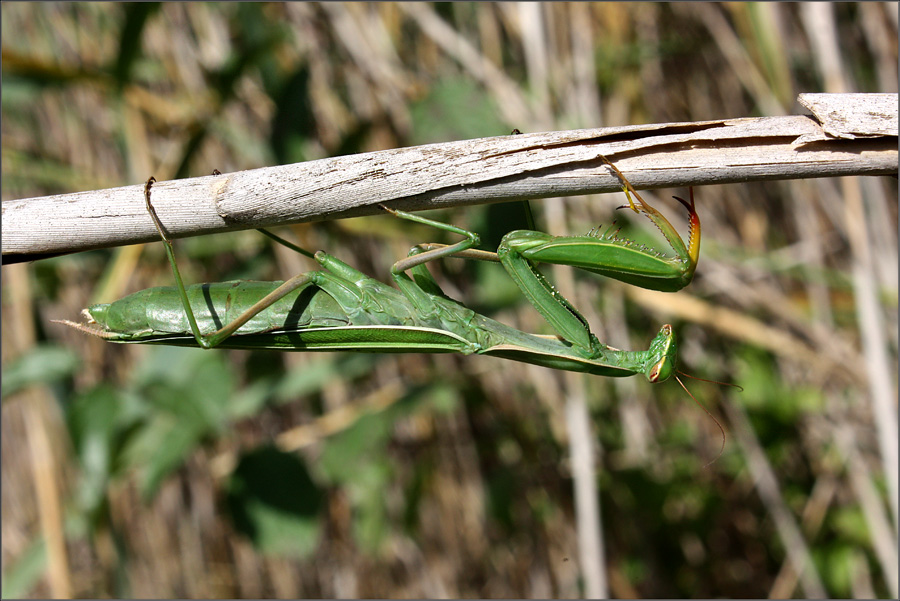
<point>608,255</point>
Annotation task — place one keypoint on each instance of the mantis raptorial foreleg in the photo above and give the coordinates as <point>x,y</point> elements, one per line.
<point>607,255</point>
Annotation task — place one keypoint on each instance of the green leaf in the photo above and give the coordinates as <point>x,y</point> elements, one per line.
<point>136,16</point>
<point>346,455</point>
<point>166,444</point>
<point>41,365</point>
<point>192,384</point>
<point>313,376</point>
<point>98,423</point>
<point>273,500</point>
<point>21,575</point>
<point>851,524</point>
<point>455,108</point>
<point>370,524</point>
<point>840,565</point>
<point>358,460</point>
<point>248,401</point>
<point>190,392</point>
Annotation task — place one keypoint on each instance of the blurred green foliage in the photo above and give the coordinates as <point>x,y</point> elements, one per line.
<point>275,503</point>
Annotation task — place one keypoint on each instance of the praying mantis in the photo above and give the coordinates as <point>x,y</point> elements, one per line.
<point>338,308</point>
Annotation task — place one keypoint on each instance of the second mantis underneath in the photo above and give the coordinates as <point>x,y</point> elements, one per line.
<point>339,308</point>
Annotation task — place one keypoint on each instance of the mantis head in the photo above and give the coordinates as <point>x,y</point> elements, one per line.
<point>661,356</point>
<point>660,365</point>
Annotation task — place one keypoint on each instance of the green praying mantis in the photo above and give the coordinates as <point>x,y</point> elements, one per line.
<point>338,308</point>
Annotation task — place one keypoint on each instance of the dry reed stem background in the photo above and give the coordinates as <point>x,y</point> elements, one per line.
<point>795,299</point>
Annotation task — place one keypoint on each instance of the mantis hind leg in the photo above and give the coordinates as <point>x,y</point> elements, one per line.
<point>339,283</point>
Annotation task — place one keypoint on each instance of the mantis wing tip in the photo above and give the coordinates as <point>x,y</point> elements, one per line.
<point>85,328</point>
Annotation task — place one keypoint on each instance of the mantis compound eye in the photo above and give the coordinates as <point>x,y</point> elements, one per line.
<point>662,355</point>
